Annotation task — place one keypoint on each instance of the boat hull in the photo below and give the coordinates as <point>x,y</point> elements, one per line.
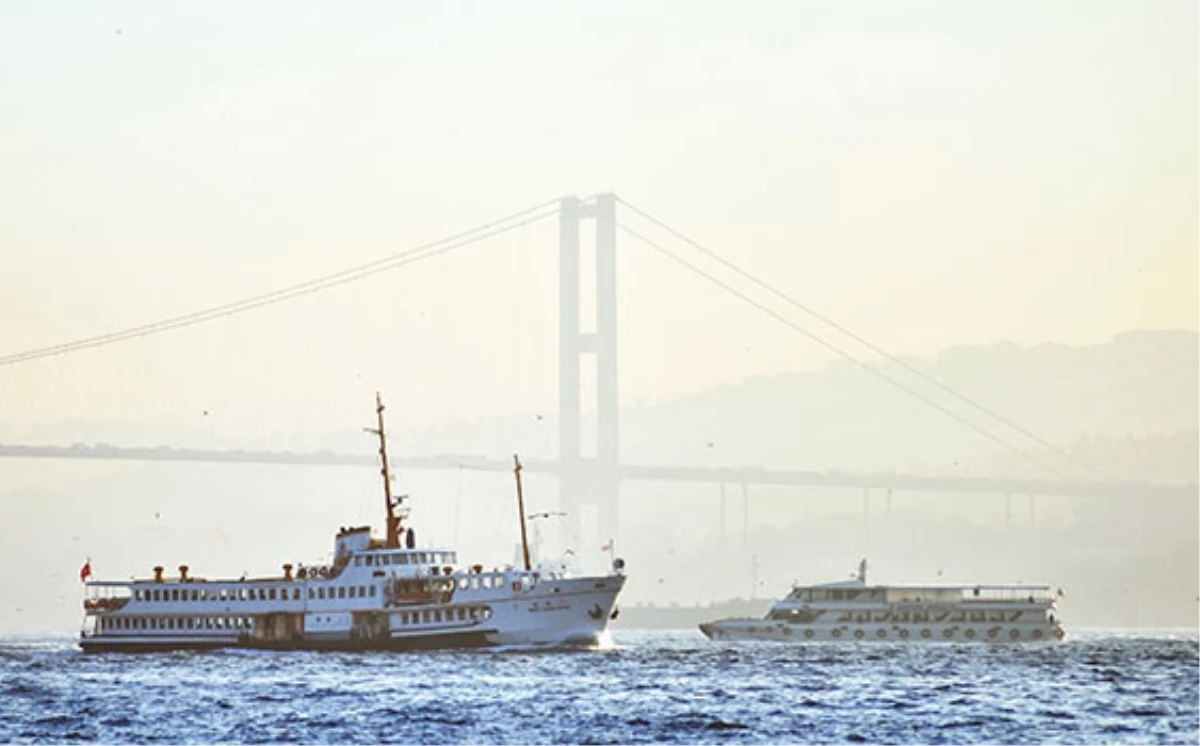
<point>474,639</point>
<point>563,612</point>
<point>771,631</point>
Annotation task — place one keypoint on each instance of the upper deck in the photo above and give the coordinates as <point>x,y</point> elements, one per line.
<point>855,592</point>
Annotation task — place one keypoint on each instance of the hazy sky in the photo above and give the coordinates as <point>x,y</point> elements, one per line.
<point>925,173</point>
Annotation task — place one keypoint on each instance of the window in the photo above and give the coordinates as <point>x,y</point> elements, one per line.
<point>341,591</point>
<point>271,594</point>
<point>462,614</point>
<point>474,582</point>
<point>463,583</point>
<point>353,591</point>
<point>295,594</point>
<point>358,561</point>
<point>372,590</point>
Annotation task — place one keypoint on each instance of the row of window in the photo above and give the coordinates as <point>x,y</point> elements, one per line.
<point>436,616</point>
<point>342,591</point>
<point>226,623</point>
<point>410,558</point>
<point>484,581</point>
<point>924,616</point>
<point>175,623</point>
<point>252,594</point>
<point>216,594</point>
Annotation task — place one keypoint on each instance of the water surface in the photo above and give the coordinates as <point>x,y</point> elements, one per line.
<point>645,687</point>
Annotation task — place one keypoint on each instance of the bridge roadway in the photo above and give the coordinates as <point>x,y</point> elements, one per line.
<point>753,475</point>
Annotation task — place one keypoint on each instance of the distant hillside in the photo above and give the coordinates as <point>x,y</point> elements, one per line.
<point>1130,403</point>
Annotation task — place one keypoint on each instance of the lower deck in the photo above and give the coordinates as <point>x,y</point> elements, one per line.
<point>851,633</point>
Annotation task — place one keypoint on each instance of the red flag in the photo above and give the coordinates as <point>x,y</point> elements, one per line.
<point>85,571</point>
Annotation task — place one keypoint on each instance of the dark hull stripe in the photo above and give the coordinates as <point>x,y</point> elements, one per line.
<point>475,639</point>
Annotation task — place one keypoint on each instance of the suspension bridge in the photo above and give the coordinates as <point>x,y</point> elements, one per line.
<point>595,479</point>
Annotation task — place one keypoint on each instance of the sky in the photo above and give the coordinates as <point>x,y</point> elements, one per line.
<point>925,173</point>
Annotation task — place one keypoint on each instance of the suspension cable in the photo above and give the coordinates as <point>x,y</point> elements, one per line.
<point>866,343</point>
<point>342,277</point>
<point>842,353</point>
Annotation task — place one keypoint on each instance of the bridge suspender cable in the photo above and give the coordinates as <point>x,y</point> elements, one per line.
<point>873,371</point>
<point>866,343</point>
<point>425,251</point>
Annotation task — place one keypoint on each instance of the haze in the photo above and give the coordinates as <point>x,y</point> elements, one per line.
<point>1005,194</point>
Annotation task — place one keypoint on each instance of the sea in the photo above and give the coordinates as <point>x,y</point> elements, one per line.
<point>660,686</point>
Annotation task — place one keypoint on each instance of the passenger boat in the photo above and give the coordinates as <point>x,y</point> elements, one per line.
<point>854,611</point>
<point>378,593</point>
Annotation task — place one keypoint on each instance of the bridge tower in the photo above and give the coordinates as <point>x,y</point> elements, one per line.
<point>587,479</point>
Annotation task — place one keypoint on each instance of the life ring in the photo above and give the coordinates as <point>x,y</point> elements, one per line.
<point>903,634</point>
<point>881,633</point>
<point>808,633</point>
<point>970,633</point>
<point>1037,634</point>
<point>926,634</point>
<point>836,633</point>
<point>948,633</point>
<point>858,634</point>
<point>1014,633</point>
<point>992,633</point>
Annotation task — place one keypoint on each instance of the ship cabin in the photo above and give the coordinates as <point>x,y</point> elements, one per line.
<point>364,576</point>
<point>856,593</point>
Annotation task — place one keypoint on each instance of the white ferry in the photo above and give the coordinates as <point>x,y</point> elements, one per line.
<point>852,610</point>
<point>376,594</point>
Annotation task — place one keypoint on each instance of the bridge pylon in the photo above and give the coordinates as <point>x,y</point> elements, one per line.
<point>588,479</point>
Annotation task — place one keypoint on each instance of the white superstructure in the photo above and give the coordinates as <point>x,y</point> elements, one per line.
<point>376,594</point>
<point>852,610</point>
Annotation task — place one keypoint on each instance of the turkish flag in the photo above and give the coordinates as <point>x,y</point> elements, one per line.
<point>85,571</point>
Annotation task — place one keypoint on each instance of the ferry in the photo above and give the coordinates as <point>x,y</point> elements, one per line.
<point>377,594</point>
<point>855,611</point>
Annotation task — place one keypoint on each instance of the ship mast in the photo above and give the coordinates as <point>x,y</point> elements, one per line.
<point>521,511</point>
<point>393,523</point>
